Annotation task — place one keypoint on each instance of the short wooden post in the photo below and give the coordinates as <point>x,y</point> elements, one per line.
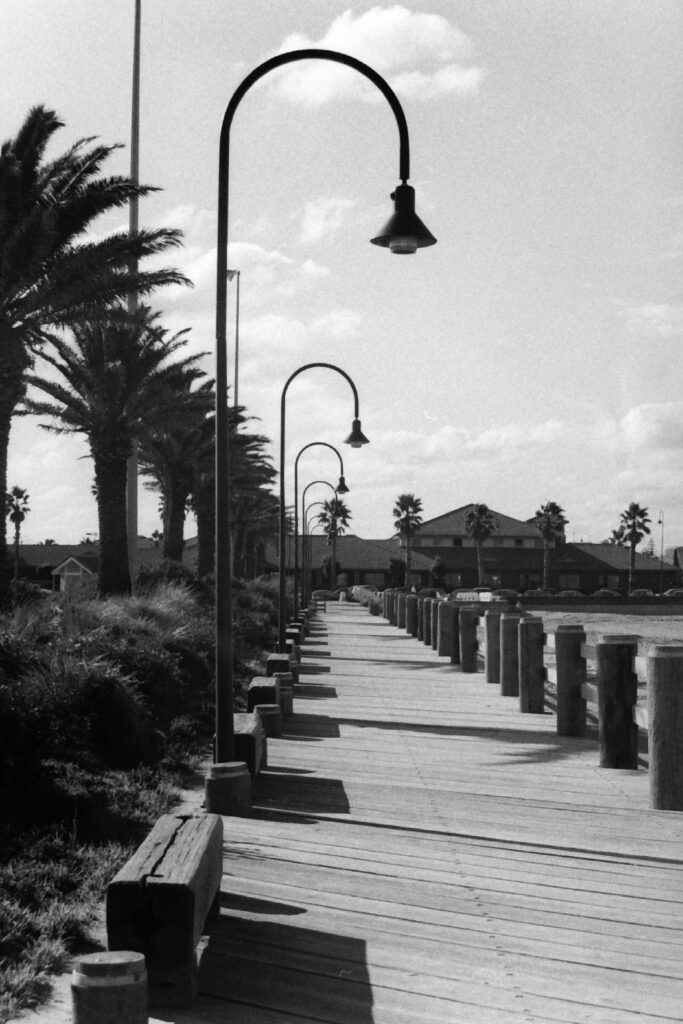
<point>401,611</point>
<point>411,614</point>
<point>531,639</point>
<point>492,646</point>
<point>390,613</point>
<point>617,695</point>
<point>509,654</point>
<point>110,988</point>
<point>435,621</point>
<point>571,675</point>
<point>427,623</point>
<point>420,618</point>
<point>665,726</point>
<point>454,616</point>
<point>469,617</point>
<point>444,630</point>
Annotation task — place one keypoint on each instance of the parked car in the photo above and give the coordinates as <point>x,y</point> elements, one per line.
<point>506,594</point>
<point>431,592</point>
<point>642,592</point>
<point>605,592</point>
<point>570,593</point>
<point>673,592</point>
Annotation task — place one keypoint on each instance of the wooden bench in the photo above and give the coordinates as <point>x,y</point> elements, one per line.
<point>160,900</point>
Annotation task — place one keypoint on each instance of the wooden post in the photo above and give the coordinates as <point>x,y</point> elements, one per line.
<point>531,638</point>
<point>401,611</point>
<point>665,726</point>
<point>391,607</point>
<point>454,616</point>
<point>444,631</point>
<point>617,696</point>
<point>492,648</point>
<point>420,618</point>
<point>469,618</point>
<point>427,623</point>
<point>411,614</point>
<point>435,622</point>
<point>571,675</point>
<point>509,654</point>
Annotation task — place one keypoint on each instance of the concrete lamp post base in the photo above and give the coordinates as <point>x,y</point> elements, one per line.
<point>227,789</point>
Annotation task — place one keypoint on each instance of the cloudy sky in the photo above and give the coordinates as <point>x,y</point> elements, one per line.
<point>533,354</point>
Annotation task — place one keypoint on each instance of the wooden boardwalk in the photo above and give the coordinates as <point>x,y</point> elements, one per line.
<point>422,851</point>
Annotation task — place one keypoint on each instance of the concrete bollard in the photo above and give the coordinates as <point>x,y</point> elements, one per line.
<point>571,675</point>
<point>469,617</point>
<point>454,616</point>
<point>110,988</point>
<point>420,618</point>
<point>435,621</point>
<point>263,691</point>
<point>492,649</point>
<point>411,614</point>
<point>427,623</point>
<point>665,726</point>
<point>509,654</point>
<point>617,696</point>
<point>531,638</point>
<point>401,611</point>
<point>227,789</point>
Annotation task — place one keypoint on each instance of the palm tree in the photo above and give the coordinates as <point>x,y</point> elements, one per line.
<point>550,522</point>
<point>407,521</point>
<point>49,277</point>
<point>617,537</point>
<point>17,506</point>
<point>173,442</point>
<point>479,524</point>
<point>335,516</point>
<point>111,373</point>
<point>634,522</point>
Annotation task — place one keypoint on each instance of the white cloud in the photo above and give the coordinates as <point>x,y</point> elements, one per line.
<point>421,56</point>
<point>322,218</point>
<point>663,320</point>
<point>653,427</point>
<point>337,324</point>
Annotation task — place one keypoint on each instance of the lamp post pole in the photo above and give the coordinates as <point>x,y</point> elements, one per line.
<point>341,488</point>
<point>309,531</point>
<point>404,232</point>
<point>660,522</point>
<point>232,275</point>
<point>356,439</point>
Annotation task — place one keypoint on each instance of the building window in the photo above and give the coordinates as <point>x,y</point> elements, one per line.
<point>457,542</point>
<point>519,543</point>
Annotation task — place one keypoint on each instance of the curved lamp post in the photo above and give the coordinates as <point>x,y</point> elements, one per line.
<point>355,439</point>
<point>307,532</point>
<point>341,488</point>
<point>404,232</point>
<point>335,490</point>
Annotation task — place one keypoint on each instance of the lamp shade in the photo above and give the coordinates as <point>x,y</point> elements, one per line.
<point>404,232</point>
<point>341,487</point>
<point>356,438</point>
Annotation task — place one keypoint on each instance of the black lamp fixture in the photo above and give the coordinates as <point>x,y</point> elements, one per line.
<point>356,438</point>
<point>404,232</point>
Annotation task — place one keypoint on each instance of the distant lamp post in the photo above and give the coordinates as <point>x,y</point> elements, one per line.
<point>232,275</point>
<point>308,535</point>
<point>355,439</point>
<point>341,488</point>
<point>660,522</point>
<point>403,233</point>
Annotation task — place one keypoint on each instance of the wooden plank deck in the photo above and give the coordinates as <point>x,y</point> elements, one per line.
<point>422,851</point>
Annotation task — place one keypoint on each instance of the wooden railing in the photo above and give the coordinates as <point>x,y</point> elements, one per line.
<point>514,652</point>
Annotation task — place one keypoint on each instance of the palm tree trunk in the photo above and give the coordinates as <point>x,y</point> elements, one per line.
<point>631,565</point>
<point>546,562</point>
<point>13,363</point>
<point>408,561</point>
<point>174,522</point>
<point>110,475</point>
<point>480,565</point>
<point>17,535</point>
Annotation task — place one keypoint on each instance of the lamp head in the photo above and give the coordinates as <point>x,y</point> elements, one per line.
<point>404,232</point>
<point>356,438</point>
<point>341,487</point>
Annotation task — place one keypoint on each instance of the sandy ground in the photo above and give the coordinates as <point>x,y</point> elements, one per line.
<point>652,629</point>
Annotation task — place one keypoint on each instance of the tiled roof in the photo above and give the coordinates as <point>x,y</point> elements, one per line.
<point>370,555</point>
<point>452,524</point>
<point>616,556</point>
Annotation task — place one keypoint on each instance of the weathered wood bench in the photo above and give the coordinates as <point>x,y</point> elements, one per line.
<point>160,900</point>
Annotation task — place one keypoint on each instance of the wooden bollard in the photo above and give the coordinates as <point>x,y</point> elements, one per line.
<point>665,726</point>
<point>444,630</point>
<point>391,607</point>
<point>110,988</point>
<point>492,647</point>
<point>401,611</point>
<point>571,675</point>
<point>454,616</point>
<point>435,622</point>
<point>420,618</point>
<point>531,638</point>
<point>411,614</point>
<point>509,654</point>
<point>617,696</point>
<point>469,617</point>
<point>427,623</point>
